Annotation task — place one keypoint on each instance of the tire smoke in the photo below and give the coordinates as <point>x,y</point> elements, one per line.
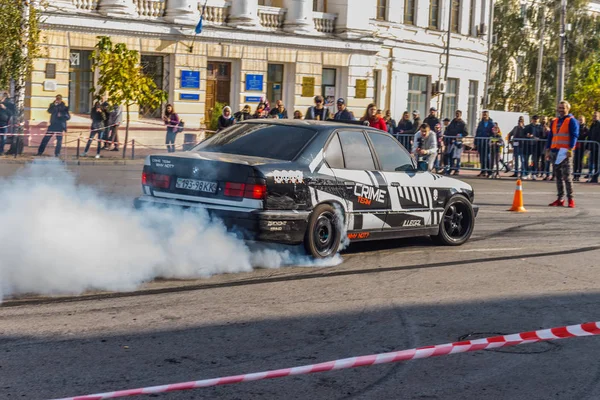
<point>59,238</point>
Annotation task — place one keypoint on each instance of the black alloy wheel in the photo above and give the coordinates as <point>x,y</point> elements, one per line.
<point>323,235</point>
<point>457,223</point>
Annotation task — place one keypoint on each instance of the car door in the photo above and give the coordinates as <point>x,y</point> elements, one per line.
<point>412,194</point>
<point>364,186</point>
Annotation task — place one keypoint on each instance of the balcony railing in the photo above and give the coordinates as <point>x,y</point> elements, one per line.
<point>216,12</point>
<point>324,23</point>
<point>150,8</point>
<point>271,17</point>
<point>86,5</point>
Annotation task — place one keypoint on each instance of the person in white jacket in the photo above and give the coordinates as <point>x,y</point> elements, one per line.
<point>425,146</point>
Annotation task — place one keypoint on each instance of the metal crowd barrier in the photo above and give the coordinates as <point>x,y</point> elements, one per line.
<point>521,156</point>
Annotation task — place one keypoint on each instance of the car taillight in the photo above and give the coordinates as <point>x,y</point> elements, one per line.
<point>161,181</point>
<point>233,189</point>
<point>253,189</point>
<point>156,180</point>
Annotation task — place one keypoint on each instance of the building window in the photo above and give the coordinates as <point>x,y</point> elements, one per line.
<point>417,93</point>
<point>320,6</point>
<point>434,14</point>
<point>409,12</point>
<point>382,6</point>
<point>472,27</point>
<point>472,106</point>
<point>450,98</point>
<point>153,67</point>
<point>81,80</point>
<point>455,17</point>
<point>275,83</point>
<point>329,90</point>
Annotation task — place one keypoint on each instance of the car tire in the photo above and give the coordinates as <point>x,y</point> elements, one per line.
<point>458,221</point>
<point>324,233</point>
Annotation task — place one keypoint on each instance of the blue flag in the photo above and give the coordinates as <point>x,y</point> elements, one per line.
<point>199,26</point>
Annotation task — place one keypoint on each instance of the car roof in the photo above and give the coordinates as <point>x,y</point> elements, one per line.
<point>317,125</point>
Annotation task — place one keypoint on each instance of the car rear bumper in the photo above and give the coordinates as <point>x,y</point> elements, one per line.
<point>278,226</point>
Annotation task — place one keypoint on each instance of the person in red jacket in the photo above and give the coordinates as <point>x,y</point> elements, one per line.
<point>374,120</point>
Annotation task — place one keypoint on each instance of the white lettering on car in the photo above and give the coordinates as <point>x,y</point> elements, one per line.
<point>413,222</point>
<point>366,194</point>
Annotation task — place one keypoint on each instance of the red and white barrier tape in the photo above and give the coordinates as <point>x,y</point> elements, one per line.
<point>587,329</point>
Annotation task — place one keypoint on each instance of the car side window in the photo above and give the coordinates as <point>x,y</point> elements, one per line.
<point>392,156</point>
<point>357,152</point>
<point>333,153</point>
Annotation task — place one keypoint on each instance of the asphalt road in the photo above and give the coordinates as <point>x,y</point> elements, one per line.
<point>519,272</point>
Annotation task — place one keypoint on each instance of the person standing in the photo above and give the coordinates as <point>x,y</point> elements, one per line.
<point>390,122</point>
<point>298,114</point>
<point>416,121</point>
<point>260,112</point>
<point>559,150</point>
<point>279,112</point>
<point>226,119</point>
<point>425,146</point>
<point>318,112</point>
<point>59,115</point>
<point>404,130</point>
<point>594,136</point>
<point>6,113</point>
<point>496,145</point>
<point>115,117</point>
<point>544,138</point>
<point>244,114</point>
<point>579,150</point>
<point>99,118</point>
<point>432,120</point>
<point>171,120</point>
<point>533,132</point>
<point>343,114</point>
<point>373,119</point>
<point>516,136</point>
<point>482,141</point>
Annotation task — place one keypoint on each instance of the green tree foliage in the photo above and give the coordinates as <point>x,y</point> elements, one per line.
<point>122,80</point>
<point>585,88</point>
<point>13,63</point>
<point>517,31</point>
<point>214,117</point>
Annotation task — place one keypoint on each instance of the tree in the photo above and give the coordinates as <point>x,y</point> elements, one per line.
<point>122,79</point>
<point>585,96</point>
<point>517,30</point>
<point>19,24</point>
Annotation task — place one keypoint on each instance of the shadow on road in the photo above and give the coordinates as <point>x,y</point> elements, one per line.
<point>36,368</point>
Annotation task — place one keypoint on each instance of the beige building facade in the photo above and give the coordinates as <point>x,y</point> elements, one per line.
<point>361,50</point>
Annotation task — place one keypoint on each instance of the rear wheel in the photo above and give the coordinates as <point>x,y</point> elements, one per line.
<point>323,234</point>
<point>457,223</point>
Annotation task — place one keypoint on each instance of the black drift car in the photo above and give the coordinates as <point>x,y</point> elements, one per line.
<point>307,182</point>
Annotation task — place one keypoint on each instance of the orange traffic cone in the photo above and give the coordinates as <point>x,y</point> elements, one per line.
<point>518,199</point>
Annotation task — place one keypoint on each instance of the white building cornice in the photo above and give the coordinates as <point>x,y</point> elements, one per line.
<point>92,23</point>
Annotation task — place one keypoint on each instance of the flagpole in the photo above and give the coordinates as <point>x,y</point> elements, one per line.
<point>198,27</point>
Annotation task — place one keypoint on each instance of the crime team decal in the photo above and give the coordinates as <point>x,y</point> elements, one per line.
<point>367,194</point>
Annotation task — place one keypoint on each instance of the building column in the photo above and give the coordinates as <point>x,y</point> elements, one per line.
<point>183,12</point>
<point>299,16</point>
<point>117,8</point>
<point>244,14</point>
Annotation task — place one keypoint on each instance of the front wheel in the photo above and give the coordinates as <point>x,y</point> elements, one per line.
<point>457,223</point>
<point>324,233</point>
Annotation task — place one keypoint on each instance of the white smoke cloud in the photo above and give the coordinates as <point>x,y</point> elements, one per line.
<point>60,238</point>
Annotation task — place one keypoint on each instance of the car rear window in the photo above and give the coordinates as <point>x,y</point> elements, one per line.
<point>259,140</point>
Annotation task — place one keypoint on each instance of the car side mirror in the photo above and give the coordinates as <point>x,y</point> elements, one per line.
<point>422,166</point>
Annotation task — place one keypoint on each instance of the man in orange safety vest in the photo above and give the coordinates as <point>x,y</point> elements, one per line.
<point>559,150</point>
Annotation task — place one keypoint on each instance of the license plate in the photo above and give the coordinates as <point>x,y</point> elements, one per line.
<point>196,185</point>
